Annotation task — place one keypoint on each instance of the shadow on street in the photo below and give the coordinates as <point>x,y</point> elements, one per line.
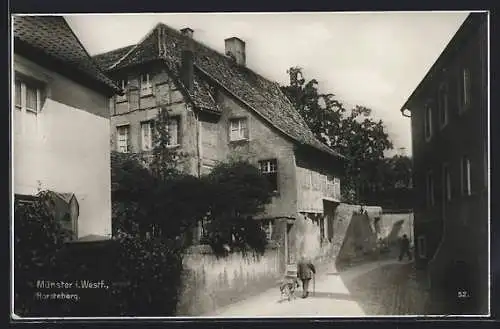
<point>391,289</point>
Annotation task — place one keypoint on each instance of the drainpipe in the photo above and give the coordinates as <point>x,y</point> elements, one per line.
<point>198,141</point>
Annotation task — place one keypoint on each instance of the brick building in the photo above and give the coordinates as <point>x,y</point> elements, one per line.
<point>450,153</point>
<point>220,110</point>
<point>61,124</point>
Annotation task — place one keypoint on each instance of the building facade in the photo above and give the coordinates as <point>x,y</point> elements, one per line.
<point>60,122</point>
<point>220,110</point>
<point>449,111</point>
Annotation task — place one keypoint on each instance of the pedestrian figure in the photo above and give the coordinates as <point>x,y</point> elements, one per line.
<point>405,248</point>
<point>305,272</point>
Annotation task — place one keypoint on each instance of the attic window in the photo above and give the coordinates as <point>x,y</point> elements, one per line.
<point>238,129</point>
<point>123,85</point>
<point>146,85</point>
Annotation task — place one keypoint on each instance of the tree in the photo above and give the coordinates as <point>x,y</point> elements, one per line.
<point>353,133</point>
<point>395,188</point>
<point>165,161</point>
<point>237,192</point>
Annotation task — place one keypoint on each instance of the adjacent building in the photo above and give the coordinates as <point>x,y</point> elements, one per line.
<point>219,110</point>
<point>61,126</point>
<point>449,111</point>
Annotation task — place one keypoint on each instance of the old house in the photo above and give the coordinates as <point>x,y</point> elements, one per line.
<point>219,110</point>
<point>449,111</point>
<point>61,126</point>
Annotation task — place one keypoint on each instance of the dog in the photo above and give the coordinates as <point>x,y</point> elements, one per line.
<point>287,288</point>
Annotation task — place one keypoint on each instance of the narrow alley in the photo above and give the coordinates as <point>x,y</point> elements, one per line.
<point>374,289</point>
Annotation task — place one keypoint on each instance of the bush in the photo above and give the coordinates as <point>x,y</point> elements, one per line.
<point>237,191</point>
<point>143,274</point>
<point>152,270</point>
<point>37,240</point>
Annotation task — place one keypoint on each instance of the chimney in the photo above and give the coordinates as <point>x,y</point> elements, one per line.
<point>187,59</point>
<point>235,48</point>
<point>187,32</point>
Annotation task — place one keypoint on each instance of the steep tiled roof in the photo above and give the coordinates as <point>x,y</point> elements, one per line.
<point>105,60</point>
<point>53,36</point>
<point>260,94</point>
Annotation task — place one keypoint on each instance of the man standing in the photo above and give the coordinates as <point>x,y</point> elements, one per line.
<point>305,271</point>
<point>405,248</point>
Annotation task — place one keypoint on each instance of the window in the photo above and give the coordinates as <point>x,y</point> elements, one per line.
<point>322,229</point>
<point>422,247</point>
<point>443,105</point>
<point>430,189</point>
<point>173,131</point>
<point>270,169</point>
<point>146,85</point>
<point>465,89</point>
<point>147,131</point>
<point>27,97</point>
<point>446,183</point>
<point>466,188</point>
<point>330,186</point>
<point>27,104</point>
<point>428,123</point>
<point>123,138</point>
<point>316,181</point>
<point>238,129</point>
<point>203,230</point>
<point>267,226</point>
<point>124,85</point>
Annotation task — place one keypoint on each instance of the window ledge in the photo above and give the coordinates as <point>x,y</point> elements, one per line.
<point>121,101</point>
<point>239,141</point>
<point>146,95</point>
<point>174,146</point>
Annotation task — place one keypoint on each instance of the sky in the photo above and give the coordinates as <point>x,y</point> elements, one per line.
<point>374,59</point>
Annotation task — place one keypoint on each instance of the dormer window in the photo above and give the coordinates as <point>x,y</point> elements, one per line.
<point>146,85</point>
<point>124,85</point>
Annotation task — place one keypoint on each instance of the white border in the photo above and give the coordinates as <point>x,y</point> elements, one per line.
<point>37,319</point>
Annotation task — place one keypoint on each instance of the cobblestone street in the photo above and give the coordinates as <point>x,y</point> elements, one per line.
<point>372,289</point>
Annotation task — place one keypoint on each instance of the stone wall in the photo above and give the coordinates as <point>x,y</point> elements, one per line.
<point>211,282</point>
<point>393,226</point>
<point>349,233</point>
<point>342,236</point>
